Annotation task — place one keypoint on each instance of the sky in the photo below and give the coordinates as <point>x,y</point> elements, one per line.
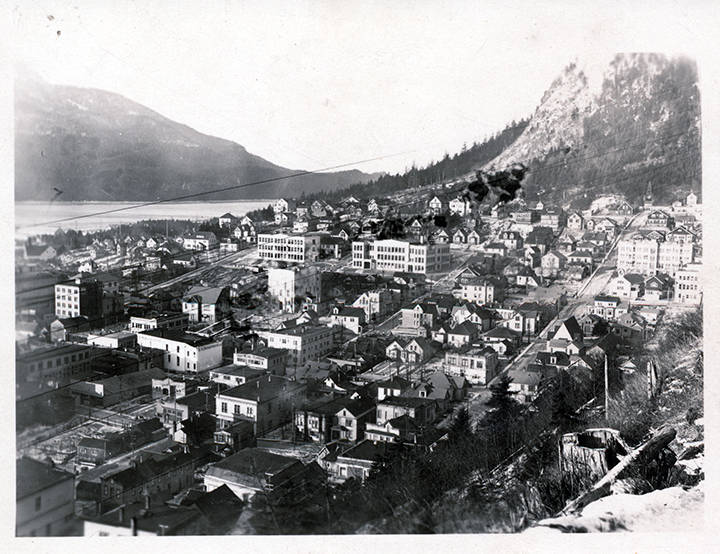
<point>316,84</point>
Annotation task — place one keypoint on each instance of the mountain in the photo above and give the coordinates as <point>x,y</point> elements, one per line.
<point>97,145</point>
<point>635,122</point>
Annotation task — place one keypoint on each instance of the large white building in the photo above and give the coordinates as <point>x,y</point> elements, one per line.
<point>288,248</point>
<point>650,255</point>
<point>285,285</point>
<point>303,343</point>
<point>183,352</point>
<point>688,284</point>
<point>400,255</point>
<point>203,240</point>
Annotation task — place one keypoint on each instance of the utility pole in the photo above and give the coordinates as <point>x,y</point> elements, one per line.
<point>607,395</point>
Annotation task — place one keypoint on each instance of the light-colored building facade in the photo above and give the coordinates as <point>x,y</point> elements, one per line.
<point>688,284</point>
<point>302,343</point>
<point>288,248</point>
<point>288,285</point>
<point>477,364</point>
<point>400,255</point>
<point>44,500</point>
<point>183,352</point>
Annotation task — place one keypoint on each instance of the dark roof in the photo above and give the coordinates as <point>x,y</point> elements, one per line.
<point>179,336</point>
<point>218,505</point>
<point>89,442</point>
<point>407,401</point>
<point>251,461</point>
<point>395,383</point>
<point>206,295</point>
<point>261,389</point>
<point>171,518</point>
<point>32,476</point>
<point>367,450</point>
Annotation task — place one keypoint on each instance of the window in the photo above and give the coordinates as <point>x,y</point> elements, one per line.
<point>223,407</point>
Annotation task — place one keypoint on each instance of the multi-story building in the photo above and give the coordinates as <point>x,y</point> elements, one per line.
<point>400,255</point>
<point>273,360</point>
<point>302,343</point>
<point>575,221</point>
<point>352,319</point>
<point>177,321</point>
<point>80,297</point>
<point>207,305</point>
<point>477,364</point>
<point>35,292</point>
<point>44,499</point>
<point>460,206</point>
<point>288,248</point>
<point>375,303</point>
<point>472,285</point>
<point>266,402</point>
<point>203,240</point>
<point>183,352</point>
<point>688,284</point>
<point>648,254</point>
<point>291,286</point>
<point>437,205</point>
<point>55,366</point>
<point>283,205</point>
<point>553,218</point>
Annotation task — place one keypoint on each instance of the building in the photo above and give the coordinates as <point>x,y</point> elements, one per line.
<point>56,365</point>
<point>400,256</point>
<point>173,320</point>
<point>61,329</point>
<point>303,343</point>
<point>44,499</point>
<point>554,218</point>
<point>284,205</point>
<point>437,205</point>
<point>292,286</point>
<point>288,248</point>
<point>628,285</point>
<point>272,360</point>
<point>118,388</point>
<point>413,351</point>
<point>267,402</point>
<point>608,307</point>
<point>352,319</point>
<point>203,240</point>
<point>575,221</point>
<point>648,253</point>
<point>461,206</point>
<point>227,220</point>
<point>183,352</point>
<point>80,297</point>
<point>477,364</point>
<point>658,218</point>
<point>253,470</point>
<point>552,263</point>
<point>122,340</point>
<point>207,305</point>
<point>233,375</point>
<point>375,303</point>
<point>688,284</point>
<point>473,285</point>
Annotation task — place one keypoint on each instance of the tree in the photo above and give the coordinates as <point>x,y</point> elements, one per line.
<point>461,426</point>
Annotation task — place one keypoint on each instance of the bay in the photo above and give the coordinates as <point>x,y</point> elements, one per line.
<point>34,218</point>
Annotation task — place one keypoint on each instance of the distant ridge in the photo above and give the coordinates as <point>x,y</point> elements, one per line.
<point>97,145</point>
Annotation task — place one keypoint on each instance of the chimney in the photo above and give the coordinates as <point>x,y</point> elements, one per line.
<point>161,530</point>
<point>147,501</point>
<point>133,526</point>
<point>121,514</point>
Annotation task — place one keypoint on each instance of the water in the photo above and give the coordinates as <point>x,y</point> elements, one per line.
<point>38,214</point>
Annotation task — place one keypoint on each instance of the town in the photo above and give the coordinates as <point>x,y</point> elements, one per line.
<point>174,384</point>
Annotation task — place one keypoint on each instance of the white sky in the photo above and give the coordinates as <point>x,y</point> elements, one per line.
<point>314,84</point>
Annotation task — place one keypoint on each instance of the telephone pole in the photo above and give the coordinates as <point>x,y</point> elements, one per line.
<point>607,395</point>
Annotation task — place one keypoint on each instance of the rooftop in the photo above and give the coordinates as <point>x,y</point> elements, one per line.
<point>179,336</point>
<point>33,476</point>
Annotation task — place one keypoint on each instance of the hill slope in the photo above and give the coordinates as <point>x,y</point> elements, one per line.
<point>638,123</point>
<point>97,145</point>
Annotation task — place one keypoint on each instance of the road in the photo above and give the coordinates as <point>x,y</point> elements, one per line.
<point>596,283</point>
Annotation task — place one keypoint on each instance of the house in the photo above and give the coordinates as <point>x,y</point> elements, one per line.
<point>266,402</point>
<point>567,337</point>
<point>358,461</point>
<point>472,285</point>
<point>597,238</point>
<point>476,364</point>
<point>182,351</point>
<point>501,334</point>
<point>630,326</point>
<point>592,325</point>
<point>495,249</point>
<point>348,318</point>
<point>272,360</point>
<point>375,303</point>
<point>422,410</point>
<point>61,328</point>
<point>414,351</point>
<point>302,343</point>
<point>608,307</point>
<point>461,334</point>
<point>581,258</point>
<point>437,205</point>
<point>607,226</point>
<point>526,277</point>
<point>203,240</point>
<point>541,237</point>
<point>524,384</point>
<point>566,245</point>
<point>481,317</point>
<point>206,305</point>
<point>552,263</point>
<point>440,236</point>
<point>459,236</point>
<point>658,287</point>
<point>589,247</point>
<point>253,470</point>
<point>351,419</point>
<point>419,315</point>
<point>460,206</point>
<point>628,285</point>
<point>186,260</point>
<point>575,221</point>
<point>284,205</point>
<point>659,218</point>
<point>532,256</point>
<point>44,499</point>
